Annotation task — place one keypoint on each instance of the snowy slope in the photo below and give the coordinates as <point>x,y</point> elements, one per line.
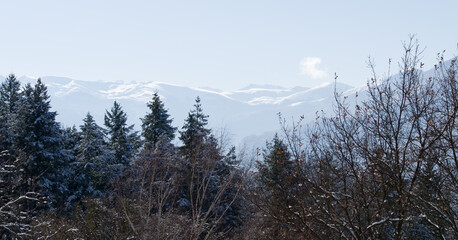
<point>249,113</point>
<point>243,113</point>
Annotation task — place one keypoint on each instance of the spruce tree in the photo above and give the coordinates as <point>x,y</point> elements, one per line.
<point>9,99</point>
<point>157,123</point>
<point>277,173</point>
<point>194,129</point>
<point>70,138</point>
<point>9,94</point>
<point>123,140</point>
<point>93,158</point>
<point>193,137</point>
<point>276,165</point>
<point>39,144</point>
<point>277,184</point>
<point>205,167</point>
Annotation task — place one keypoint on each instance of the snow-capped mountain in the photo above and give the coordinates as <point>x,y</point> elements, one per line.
<point>243,114</point>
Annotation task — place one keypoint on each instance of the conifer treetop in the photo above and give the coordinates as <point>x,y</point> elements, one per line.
<point>157,123</point>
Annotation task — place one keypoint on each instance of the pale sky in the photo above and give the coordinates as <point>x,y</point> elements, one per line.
<point>218,44</point>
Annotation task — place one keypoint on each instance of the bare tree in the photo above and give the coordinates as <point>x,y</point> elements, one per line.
<point>147,192</point>
<point>213,185</point>
<point>383,167</point>
<point>385,157</point>
<point>151,194</point>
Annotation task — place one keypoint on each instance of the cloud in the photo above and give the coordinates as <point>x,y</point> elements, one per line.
<point>309,67</point>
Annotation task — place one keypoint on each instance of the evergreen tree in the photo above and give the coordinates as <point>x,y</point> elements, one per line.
<point>70,138</point>
<point>9,98</point>
<point>39,144</point>
<point>9,95</point>
<point>123,141</point>
<point>277,186</point>
<point>209,180</point>
<point>194,130</point>
<point>93,158</point>
<point>277,165</point>
<point>157,123</point>
<point>233,205</point>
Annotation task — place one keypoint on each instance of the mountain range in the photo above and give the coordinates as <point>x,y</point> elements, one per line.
<point>248,115</point>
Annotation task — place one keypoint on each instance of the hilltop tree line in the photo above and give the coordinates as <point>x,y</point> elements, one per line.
<point>384,167</point>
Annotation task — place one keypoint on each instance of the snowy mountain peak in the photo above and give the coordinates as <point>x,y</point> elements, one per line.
<point>246,112</point>
<point>259,86</point>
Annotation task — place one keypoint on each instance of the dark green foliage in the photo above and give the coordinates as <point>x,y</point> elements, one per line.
<point>9,95</point>
<point>123,140</point>
<point>233,202</point>
<point>39,143</point>
<point>277,165</point>
<point>277,186</point>
<point>157,123</point>
<point>93,159</point>
<point>9,99</point>
<point>194,131</point>
<point>209,180</point>
<point>199,153</point>
<point>385,168</point>
<point>20,197</point>
<point>192,192</point>
<point>70,138</point>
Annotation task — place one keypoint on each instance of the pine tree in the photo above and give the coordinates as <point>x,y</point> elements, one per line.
<point>93,158</point>
<point>157,123</point>
<point>9,98</point>
<point>123,141</point>
<point>39,144</point>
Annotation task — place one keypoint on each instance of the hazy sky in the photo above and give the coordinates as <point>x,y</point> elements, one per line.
<point>219,44</point>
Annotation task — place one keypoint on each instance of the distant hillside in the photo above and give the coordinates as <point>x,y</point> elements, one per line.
<point>243,113</point>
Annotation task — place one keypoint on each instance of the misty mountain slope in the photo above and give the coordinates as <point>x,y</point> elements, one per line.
<point>243,113</point>
<point>248,114</point>
<point>271,93</point>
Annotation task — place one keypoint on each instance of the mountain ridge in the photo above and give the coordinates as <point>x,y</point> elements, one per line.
<point>243,113</point>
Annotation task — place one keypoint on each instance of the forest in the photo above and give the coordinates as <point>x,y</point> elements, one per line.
<point>381,166</point>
